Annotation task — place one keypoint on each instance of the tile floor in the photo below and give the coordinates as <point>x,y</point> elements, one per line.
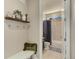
<point>49,54</point>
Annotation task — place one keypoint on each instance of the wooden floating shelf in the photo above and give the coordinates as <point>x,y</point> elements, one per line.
<point>14,19</point>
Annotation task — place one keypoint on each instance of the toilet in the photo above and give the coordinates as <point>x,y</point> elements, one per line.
<point>46,45</point>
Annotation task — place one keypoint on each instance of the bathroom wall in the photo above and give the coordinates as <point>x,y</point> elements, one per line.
<point>34,27</point>
<point>15,32</point>
<point>11,5</point>
<point>33,12</point>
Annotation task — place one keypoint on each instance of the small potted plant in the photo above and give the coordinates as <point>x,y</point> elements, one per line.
<point>18,14</point>
<point>26,16</point>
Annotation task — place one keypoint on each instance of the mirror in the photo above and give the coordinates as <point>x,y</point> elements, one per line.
<point>53,29</point>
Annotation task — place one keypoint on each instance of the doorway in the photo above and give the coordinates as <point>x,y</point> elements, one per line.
<point>53,30</point>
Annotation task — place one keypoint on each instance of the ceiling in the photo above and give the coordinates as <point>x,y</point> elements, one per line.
<point>53,4</point>
<point>50,5</point>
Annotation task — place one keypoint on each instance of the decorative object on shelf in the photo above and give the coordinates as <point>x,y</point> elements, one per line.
<point>18,14</point>
<point>26,16</point>
<point>23,18</point>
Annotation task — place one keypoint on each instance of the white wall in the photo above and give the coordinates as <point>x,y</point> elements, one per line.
<point>33,11</point>
<point>14,37</point>
<point>11,5</point>
<point>33,17</point>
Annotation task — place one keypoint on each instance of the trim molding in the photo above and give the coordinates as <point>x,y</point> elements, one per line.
<point>53,11</point>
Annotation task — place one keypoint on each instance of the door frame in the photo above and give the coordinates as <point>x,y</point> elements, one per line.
<point>67,28</point>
